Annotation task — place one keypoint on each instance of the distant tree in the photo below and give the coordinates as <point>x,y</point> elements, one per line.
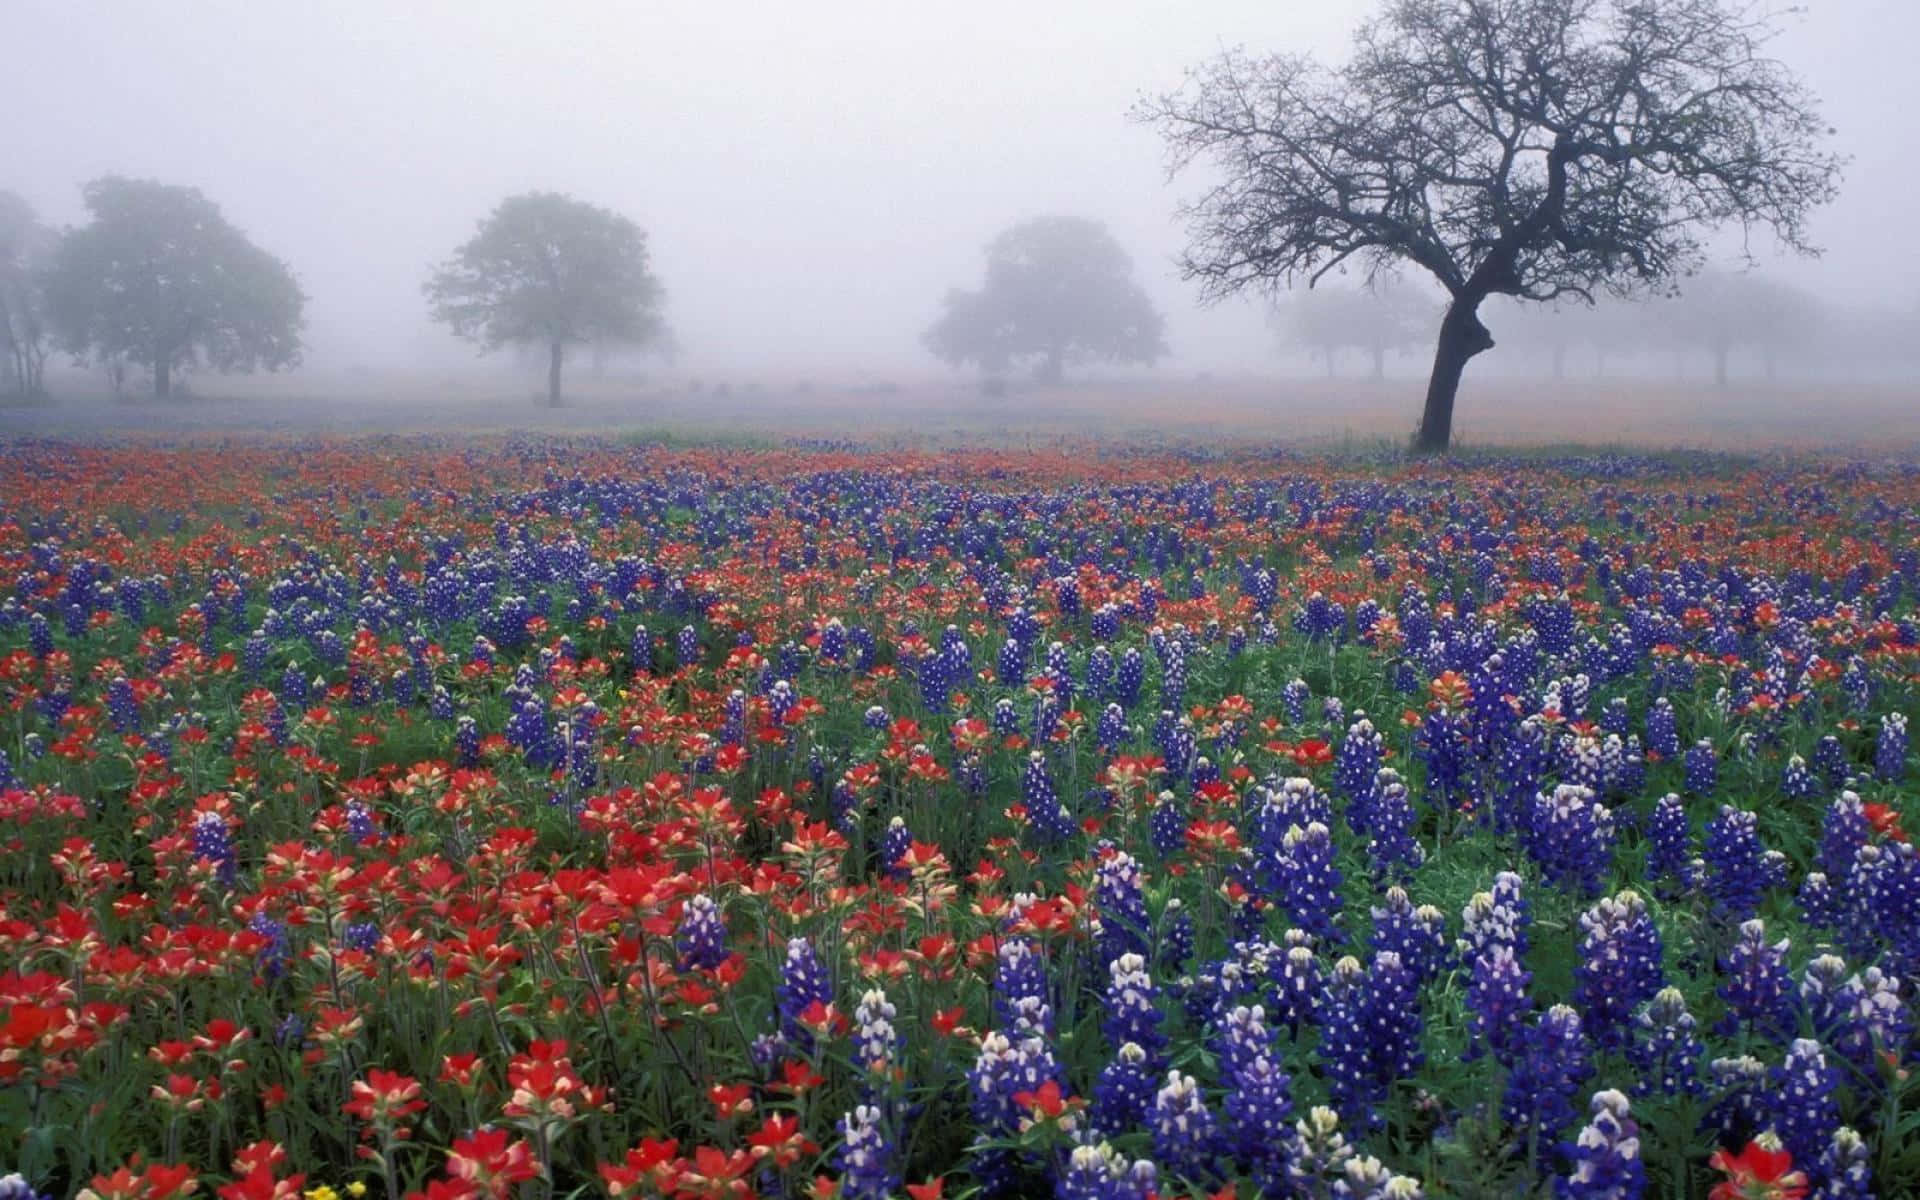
<point>160,279</point>
<point>1719,311</point>
<point>545,269</point>
<point>26,246</point>
<point>1384,316</point>
<point>1528,148</point>
<point>1059,290</point>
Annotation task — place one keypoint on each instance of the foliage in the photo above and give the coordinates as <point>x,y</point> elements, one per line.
<point>464,818</point>
<point>548,270</point>
<point>25,246</point>
<point>1058,291</point>
<point>160,279</point>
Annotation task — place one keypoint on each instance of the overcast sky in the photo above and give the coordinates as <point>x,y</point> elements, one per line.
<point>813,176</point>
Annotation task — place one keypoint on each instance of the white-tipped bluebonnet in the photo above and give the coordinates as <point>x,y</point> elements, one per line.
<point>1122,905</point>
<point>1132,1007</point>
<point>1546,1078</point>
<point>1843,830</point>
<point>1099,1172</point>
<point>1309,883</point>
<point>1804,1108</point>
<point>803,982</point>
<point>876,1043</point>
<point>213,844</point>
<point>1845,1168</point>
<point>1669,842</point>
<point>1890,749</point>
<point>1318,1154</point>
<point>1739,1109</point>
<point>1186,1135</point>
<point>1702,768</point>
<point>701,936</point>
<point>1572,838</point>
<point>1737,871</point>
<point>1604,1160</point>
<point>867,1157</point>
<point>1619,966</point>
<point>1392,849</point>
<point>1124,1090</point>
<point>1498,1004</point>
<point>1756,989</point>
<point>1666,1047</point>
<point>1417,935</point>
<point>1020,976</point>
<point>1364,1177</point>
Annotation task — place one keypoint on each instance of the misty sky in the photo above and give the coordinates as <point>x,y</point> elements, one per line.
<point>812,176</point>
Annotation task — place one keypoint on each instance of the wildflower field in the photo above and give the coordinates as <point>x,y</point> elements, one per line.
<point>540,818</point>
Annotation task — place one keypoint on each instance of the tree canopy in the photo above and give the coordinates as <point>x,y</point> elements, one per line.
<point>160,279</point>
<point>1058,290</point>
<point>1385,315</point>
<point>26,246</point>
<point>547,269</point>
<point>1527,148</point>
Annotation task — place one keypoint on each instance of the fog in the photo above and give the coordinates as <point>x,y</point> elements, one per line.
<point>812,177</point>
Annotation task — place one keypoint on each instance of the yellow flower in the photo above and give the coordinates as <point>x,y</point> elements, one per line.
<point>323,1192</point>
<point>356,1189</point>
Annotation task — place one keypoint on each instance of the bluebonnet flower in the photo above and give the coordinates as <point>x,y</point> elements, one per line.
<point>213,844</point>
<point>1890,749</point>
<point>1757,991</point>
<point>1666,1048</point>
<point>1830,761</point>
<point>1099,1172</point>
<point>803,983</point>
<point>1127,681</point>
<point>1393,850</point>
<point>1819,907</point>
<point>16,1187</point>
<point>1318,1154</point>
<point>701,936</point>
<point>1004,1068</point>
<point>876,1043</point>
<point>1796,781</point>
<point>1805,1111</point>
<point>1669,842</point>
<point>1049,819</point>
<point>1258,1102</point>
<point>1497,917</point>
<point>1300,984</point>
<point>277,954</point>
<point>1167,825</point>
<point>1843,830</point>
<point>1417,935</point>
<point>1605,1158</point>
<point>1132,1007</point>
<point>1702,768</point>
<point>1360,755</point>
<point>1112,729</point>
<point>894,844</point>
<point>1124,1091</point>
<point>1546,1077</point>
<point>361,936</point>
<point>1844,1168</point>
<point>1740,1109</point>
<point>1857,1016</point>
<point>1663,737</point>
<point>1736,872</point>
<point>1186,1134</point>
<point>1572,838</point>
<point>867,1156</point>
<point>1497,1003</point>
<point>1619,966</point>
<point>1020,976</point>
<point>1293,698</point>
<point>1177,936</point>
<point>1122,905</point>
<point>1310,883</point>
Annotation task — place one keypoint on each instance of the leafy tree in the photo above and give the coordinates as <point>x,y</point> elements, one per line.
<point>546,269</point>
<point>1058,290</point>
<point>1718,311</point>
<point>160,279</point>
<point>1529,148</point>
<point>1374,319</point>
<point>25,247</point>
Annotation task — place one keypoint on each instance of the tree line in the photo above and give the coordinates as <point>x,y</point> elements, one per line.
<point>1532,151</point>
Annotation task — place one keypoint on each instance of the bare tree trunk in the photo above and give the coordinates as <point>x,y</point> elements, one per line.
<point>1379,362</point>
<point>1461,337</point>
<point>557,352</point>
<point>162,374</point>
<point>1720,366</point>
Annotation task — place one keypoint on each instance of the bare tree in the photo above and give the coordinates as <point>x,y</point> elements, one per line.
<point>1537,149</point>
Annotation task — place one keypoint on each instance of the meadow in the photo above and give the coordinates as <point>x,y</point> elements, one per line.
<point>554,815</point>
